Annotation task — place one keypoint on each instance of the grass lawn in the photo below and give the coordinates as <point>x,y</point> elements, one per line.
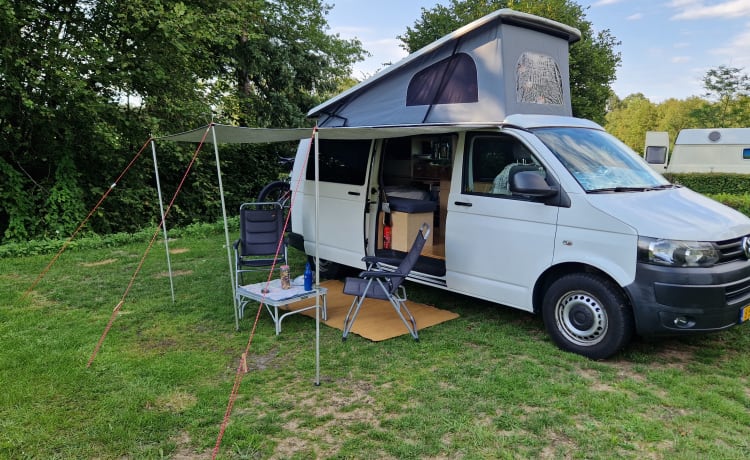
<point>487,385</point>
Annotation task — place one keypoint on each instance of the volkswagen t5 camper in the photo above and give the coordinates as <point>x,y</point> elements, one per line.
<point>530,207</point>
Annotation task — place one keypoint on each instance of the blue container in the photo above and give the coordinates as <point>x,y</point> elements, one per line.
<point>308,277</point>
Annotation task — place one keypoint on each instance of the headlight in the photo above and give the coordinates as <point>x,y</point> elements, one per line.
<point>677,253</point>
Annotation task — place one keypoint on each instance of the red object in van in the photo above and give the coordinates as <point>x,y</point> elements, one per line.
<point>387,237</point>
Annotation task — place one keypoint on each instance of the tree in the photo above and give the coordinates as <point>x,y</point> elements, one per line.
<point>729,88</point>
<point>593,60</point>
<point>85,82</point>
<point>630,119</point>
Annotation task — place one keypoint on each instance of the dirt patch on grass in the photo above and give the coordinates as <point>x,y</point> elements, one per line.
<point>335,409</point>
<point>179,250</point>
<point>177,401</point>
<point>174,273</point>
<point>183,451</point>
<point>99,263</point>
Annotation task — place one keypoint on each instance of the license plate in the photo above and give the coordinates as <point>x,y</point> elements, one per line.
<point>745,313</point>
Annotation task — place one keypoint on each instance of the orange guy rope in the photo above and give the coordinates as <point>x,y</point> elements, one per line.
<point>242,367</point>
<point>148,249</point>
<point>80,226</point>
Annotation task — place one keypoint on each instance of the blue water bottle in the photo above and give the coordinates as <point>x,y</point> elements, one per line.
<point>308,277</point>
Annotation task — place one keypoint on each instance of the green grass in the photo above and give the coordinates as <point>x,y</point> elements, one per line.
<point>487,385</point>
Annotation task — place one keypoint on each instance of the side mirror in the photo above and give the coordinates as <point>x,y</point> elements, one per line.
<point>530,183</point>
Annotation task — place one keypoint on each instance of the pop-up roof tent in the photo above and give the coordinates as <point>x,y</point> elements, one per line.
<point>504,63</point>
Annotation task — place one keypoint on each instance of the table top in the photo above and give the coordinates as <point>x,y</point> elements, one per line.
<point>276,295</point>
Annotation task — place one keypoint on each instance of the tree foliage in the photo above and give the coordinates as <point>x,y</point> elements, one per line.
<point>725,104</point>
<point>86,81</point>
<point>593,60</point>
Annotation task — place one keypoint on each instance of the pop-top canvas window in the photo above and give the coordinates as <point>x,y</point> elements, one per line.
<point>538,80</point>
<point>450,81</point>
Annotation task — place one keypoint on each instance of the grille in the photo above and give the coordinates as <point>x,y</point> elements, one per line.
<point>731,250</point>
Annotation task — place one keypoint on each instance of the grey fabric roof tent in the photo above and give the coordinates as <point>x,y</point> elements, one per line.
<point>504,63</point>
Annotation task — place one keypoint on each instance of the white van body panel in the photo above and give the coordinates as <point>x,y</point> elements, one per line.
<point>677,214</point>
<point>496,248</point>
<point>597,237</point>
<point>297,184</point>
<point>341,239</point>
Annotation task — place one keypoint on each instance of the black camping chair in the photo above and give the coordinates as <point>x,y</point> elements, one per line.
<point>377,283</point>
<point>261,233</point>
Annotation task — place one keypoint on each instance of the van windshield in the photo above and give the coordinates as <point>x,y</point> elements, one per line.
<point>599,161</point>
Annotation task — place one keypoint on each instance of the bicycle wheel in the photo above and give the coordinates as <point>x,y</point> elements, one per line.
<point>275,191</point>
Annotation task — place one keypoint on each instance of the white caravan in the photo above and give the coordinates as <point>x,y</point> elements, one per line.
<point>530,207</point>
<point>713,150</point>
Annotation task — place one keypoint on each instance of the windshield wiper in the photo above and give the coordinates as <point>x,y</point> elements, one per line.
<point>624,189</point>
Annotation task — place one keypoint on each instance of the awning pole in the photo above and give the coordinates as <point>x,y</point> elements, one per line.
<point>163,220</point>
<point>226,226</point>
<point>317,261</point>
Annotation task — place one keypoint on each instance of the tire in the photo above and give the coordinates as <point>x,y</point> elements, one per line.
<point>328,270</point>
<point>587,314</point>
<point>277,191</point>
<point>274,191</point>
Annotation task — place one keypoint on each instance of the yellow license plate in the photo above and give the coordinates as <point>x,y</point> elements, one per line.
<point>745,313</point>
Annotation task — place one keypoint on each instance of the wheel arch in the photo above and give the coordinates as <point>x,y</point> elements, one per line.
<point>560,270</point>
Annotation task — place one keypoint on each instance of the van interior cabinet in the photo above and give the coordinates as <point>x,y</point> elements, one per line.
<point>416,176</point>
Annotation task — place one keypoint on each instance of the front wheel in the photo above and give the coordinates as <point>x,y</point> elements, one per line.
<point>587,314</point>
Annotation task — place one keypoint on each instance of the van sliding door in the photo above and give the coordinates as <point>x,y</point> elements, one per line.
<point>344,169</point>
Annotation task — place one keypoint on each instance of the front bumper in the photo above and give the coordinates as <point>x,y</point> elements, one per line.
<point>670,300</point>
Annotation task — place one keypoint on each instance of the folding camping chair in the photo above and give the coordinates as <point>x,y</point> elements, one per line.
<point>377,283</point>
<point>262,243</point>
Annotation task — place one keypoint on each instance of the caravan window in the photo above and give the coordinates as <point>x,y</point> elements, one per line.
<point>656,154</point>
<point>490,162</point>
<point>341,161</point>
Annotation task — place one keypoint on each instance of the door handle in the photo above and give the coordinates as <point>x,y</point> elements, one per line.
<point>462,203</point>
<point>353,193</point>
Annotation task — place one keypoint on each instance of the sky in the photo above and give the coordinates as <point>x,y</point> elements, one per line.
<point>667,46</point>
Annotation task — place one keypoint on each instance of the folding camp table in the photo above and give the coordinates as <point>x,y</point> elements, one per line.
<point>277,297</point>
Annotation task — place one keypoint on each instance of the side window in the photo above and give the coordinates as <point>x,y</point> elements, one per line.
<point>490,162</point>
<point>341,162</point>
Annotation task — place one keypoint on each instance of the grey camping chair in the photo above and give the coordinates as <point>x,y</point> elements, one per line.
<point>261,236</point>
<point>377,283</point>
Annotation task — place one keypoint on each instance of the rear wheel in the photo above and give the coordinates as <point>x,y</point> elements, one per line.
<point>587,314</point>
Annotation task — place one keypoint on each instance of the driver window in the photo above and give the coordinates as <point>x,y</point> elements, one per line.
<point>492,160</point>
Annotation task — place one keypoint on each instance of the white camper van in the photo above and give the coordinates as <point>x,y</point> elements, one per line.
<point>530,207</point>
<point>713,150</point>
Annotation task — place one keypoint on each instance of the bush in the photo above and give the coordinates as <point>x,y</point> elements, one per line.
<point>739,202</point>
<point>713,183</point>
<point>94,241</point>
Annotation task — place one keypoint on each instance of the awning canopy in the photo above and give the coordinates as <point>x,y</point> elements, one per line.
<point>226,134</point>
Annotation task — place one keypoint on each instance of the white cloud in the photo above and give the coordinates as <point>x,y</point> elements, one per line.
<point>696,9</point>
<point>635,17</point>
<point>737,51</point>
<point>605,2</point>
<point>680,59</point>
